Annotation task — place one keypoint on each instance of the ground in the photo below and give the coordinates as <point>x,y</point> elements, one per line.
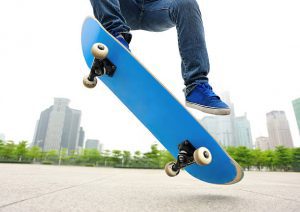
<point>65,188</point>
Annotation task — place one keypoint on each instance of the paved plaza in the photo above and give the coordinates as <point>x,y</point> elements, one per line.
<point>65,188</point>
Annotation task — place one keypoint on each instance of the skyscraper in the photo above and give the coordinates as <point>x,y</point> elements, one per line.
<point>262,143</point>
<point>81,138</point>
<point>243,135</point>
<point>58,127</point>
<point>296,106</point>
<point>93,144</point>
<point>220,127</point>
<point>229,130</point>
<point>278,130</point>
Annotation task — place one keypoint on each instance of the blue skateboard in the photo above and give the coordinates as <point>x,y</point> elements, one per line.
<point>175,128</point>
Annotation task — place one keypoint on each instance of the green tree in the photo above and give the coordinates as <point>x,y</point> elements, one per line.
<point>52,156</point>
<point>153,157</point>
<point>91,156</point>
<point>231,150</point>
<point>283,158</point>
<point>21,150</point>
<point>243,156</point>
<point>2,146</point>
<point>9,151</point>
<point>269,159</point>
<point>106,157</point>
<point>116,157</point>
<point>165,157</point>
<point>257,158</point>
<point>34,153</point>
<point>296,159</point>
<point>126,158</point>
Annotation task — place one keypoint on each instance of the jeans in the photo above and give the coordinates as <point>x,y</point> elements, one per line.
<point>159,15</point>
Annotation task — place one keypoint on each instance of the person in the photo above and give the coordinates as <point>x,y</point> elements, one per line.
<point>119,17</point>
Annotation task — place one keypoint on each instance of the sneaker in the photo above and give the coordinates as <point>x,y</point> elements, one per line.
<point>204,99</point>
<point>124,39</point>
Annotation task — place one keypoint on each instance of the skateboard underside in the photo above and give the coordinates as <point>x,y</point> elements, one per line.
<point>156,108</point>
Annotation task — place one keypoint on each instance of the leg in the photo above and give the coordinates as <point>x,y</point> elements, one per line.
<point>186,16</point>
<point>108,13</point>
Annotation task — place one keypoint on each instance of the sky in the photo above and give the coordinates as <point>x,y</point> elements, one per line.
<point>253,46</point>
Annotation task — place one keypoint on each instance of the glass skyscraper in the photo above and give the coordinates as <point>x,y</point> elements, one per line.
<point>296,106</point>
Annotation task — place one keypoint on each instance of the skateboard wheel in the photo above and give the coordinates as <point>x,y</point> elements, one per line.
<point>169,170</point>
<point>89,84</point>
<point>99,51</point>
<point>202,156</point>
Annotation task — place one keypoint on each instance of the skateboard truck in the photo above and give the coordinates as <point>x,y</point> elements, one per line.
<point>188,155</point>
<point>101,65</point>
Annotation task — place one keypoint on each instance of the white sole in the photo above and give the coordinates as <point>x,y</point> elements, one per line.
<point>214,111</point>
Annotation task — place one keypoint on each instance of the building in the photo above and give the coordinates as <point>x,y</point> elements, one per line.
<point>262,143</point>
<point>278,130</point>
<point>229,130</point>
<point>243,136</point>
<point>220,127</point>
<point>58,127</point>
<point>296,106</point>
<point>93,144</point>
<point>81,137</point>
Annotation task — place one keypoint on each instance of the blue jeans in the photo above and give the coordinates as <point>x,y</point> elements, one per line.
<point>159,15</point>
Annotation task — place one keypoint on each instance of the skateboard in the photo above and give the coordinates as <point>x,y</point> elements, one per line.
<point>175,128</point>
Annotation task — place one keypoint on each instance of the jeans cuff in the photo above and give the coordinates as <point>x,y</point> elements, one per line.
<point>189,88</point>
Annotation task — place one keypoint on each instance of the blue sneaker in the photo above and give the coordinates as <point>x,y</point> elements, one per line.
<point>124,38</point>
<point>204,99</point>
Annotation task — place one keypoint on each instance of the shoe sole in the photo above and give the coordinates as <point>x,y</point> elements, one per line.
<point>210,110</point>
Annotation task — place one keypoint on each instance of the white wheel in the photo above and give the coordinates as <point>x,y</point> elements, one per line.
<point>99,51</point>
<point>169,170</point>
<point>89,84</point>
<point>202,156</point>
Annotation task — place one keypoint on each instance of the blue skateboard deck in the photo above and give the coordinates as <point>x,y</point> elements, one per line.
<point>157,108</point>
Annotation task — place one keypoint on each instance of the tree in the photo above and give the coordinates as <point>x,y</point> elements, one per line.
<point>296,159</point>
<point>21,150</point>
<point>283,158</point>
<point>52,156</point>
<point>269,159</point>
<point>126,158</point>
<point>243,156</point>
<point>153,157</point>
<point>1,148</point>
<point>116,157</point>
<point>257,158</point>
<point>106,157</point>
<point>9,150</point>
<point>34,153</point>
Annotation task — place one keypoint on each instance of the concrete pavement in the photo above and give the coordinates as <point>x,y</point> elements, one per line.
<point>65,188</point>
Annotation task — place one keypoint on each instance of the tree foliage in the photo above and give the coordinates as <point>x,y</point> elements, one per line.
<point>280,159</point>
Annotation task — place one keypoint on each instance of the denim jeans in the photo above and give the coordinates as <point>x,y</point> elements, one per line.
<point>159,15</point>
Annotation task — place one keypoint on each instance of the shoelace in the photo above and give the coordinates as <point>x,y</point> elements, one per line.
<point>207,90</point>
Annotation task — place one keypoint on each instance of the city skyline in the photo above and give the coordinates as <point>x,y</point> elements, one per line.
<point>242,57</point>
<point>212,120</point>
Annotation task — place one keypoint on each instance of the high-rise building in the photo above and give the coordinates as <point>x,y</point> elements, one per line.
<point>278,130</point>
<point>58,127</point>
<point>229,130</point>
<point>93,144</point>
<point>81,137</point>
<point>262,143</point>
<point>220,127</point>
<point>243,136</point>
<point>296,106</point>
